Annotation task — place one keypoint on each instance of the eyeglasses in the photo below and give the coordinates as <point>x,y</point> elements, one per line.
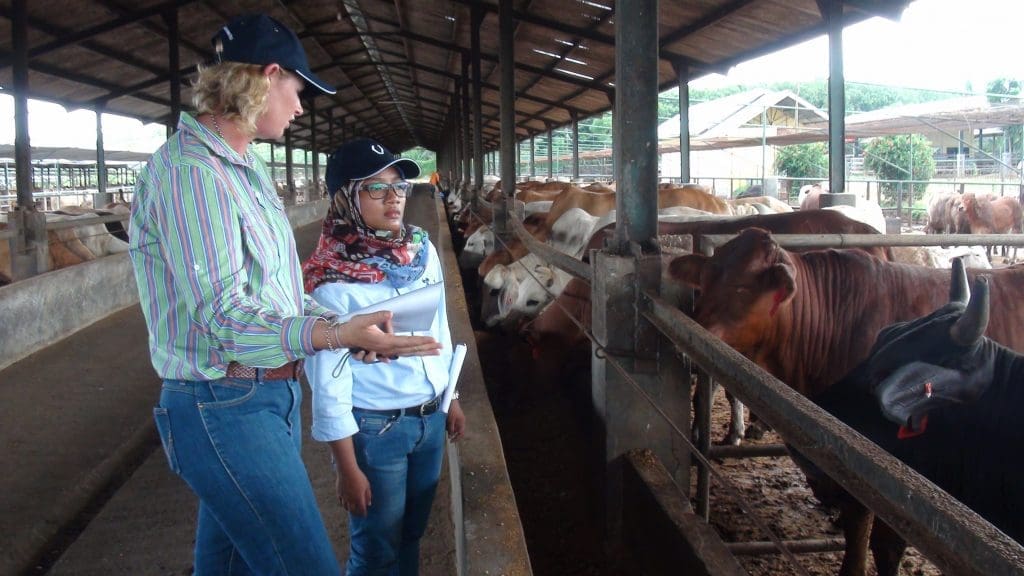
<point>379,190</point>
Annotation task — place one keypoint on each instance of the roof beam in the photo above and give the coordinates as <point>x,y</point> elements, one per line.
<point>708,20</point>
<point>71,38</point>
<point>51,70</point>
<point>492,58</point>
<point>91,46</point>
<point>206,51</point>
<point>891,11</point>
<point>487,85</point>
<point>586,34</point>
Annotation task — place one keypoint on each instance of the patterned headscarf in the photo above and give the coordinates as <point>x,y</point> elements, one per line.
<point>350,251</point>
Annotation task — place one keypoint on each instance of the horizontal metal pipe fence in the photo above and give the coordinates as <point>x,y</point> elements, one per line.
<point>872,240</point>
<point>947,532</point>
<point>795,546</point>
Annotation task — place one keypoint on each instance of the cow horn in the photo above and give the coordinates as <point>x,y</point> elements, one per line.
<point>959,290</point>
<point>969,328</point>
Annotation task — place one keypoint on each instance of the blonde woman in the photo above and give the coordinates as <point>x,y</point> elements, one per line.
<point>221,289</point>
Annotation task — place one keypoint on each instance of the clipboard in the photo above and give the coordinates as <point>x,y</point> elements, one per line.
<point>458,356</point>
<point>413,311</point>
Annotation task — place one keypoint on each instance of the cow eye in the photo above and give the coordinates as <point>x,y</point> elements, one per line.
<point>532,302</point>
<point>495,291</point>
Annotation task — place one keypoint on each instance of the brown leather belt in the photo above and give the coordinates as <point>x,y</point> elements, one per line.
<point>291,370</point>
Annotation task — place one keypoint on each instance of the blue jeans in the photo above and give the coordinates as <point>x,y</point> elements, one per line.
<point>401,457</point>
<point>236,443</point>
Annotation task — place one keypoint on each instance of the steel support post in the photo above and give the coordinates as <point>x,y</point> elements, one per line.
<point>629,375</point>
<point>636,124</point>
<point>551,155</point>
<point>467,124</point>
<point>833,15</point>
<point>575,145</point>
<point>683,76</point>
<point>289,170</point>
<point>314,192</point>
<point>533,158</point>
<point>509,157</point>
<point>102,198</point>
<point>29,249</point>
<point>478,115</point>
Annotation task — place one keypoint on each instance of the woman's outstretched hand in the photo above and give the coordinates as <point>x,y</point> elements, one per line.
<point>372,339</point>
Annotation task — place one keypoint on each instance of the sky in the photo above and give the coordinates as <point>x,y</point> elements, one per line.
<point>936,44</point>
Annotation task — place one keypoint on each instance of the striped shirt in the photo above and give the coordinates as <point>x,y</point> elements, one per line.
<point>215,261</point>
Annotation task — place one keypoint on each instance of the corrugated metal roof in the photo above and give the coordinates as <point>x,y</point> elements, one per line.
<point>724,116</point>
<point>396,63</point>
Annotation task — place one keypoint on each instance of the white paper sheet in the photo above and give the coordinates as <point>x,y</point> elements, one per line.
<point>458,356</point>
<point>413,311</point>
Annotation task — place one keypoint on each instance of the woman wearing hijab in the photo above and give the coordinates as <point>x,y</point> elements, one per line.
<point>382,420</point>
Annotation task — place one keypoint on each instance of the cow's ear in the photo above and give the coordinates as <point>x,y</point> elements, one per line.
<point>688,268</point>
<point>496,277</point>
<point>782,280</point>
<point>544,275</point>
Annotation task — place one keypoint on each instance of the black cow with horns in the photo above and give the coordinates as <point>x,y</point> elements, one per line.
<point>942,398</point>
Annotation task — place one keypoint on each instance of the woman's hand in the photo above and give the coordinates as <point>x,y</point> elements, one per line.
<point>456,423</point>
<point>373,339</point>
<point>354,492</point>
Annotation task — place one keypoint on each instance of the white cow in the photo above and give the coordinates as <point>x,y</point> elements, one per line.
<point>524,287</point>
<point>866,211</point>
<point>479,244</point>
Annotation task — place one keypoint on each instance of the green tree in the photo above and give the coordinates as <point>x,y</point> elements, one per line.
<point>1012,89</point>
<point>425,158</point>
<point>802,161</point>
<point>891,158</point>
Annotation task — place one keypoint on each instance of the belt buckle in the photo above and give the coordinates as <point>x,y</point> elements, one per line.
<point>431,405</point>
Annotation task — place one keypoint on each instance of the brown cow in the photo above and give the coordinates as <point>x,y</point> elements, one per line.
<point>551,332</point>
<point>987,215</point>
<point>599,204</point>
<point>808,318</point>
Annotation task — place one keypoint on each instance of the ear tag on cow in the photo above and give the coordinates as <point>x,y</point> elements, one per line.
<point>780,295</point>
<point>907,432</point>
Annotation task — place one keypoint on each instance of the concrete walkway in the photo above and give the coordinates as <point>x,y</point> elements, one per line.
<point>86,489</point>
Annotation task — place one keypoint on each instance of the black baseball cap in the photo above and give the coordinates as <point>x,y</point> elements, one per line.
<point>361,158</point>
<point>260,39</point>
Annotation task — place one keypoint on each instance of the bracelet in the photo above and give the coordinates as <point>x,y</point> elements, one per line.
<point>327,336</point>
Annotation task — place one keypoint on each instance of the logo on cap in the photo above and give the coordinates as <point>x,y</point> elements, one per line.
<point>378,149</point>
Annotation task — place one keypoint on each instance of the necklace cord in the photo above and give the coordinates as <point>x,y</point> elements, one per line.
<point>216,126</point>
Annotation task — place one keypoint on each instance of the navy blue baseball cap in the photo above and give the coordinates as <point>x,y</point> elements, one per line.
<point>259,39</point>
<point>361,158</point>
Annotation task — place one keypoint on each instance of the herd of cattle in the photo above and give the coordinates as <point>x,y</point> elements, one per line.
<point>809,318</point>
